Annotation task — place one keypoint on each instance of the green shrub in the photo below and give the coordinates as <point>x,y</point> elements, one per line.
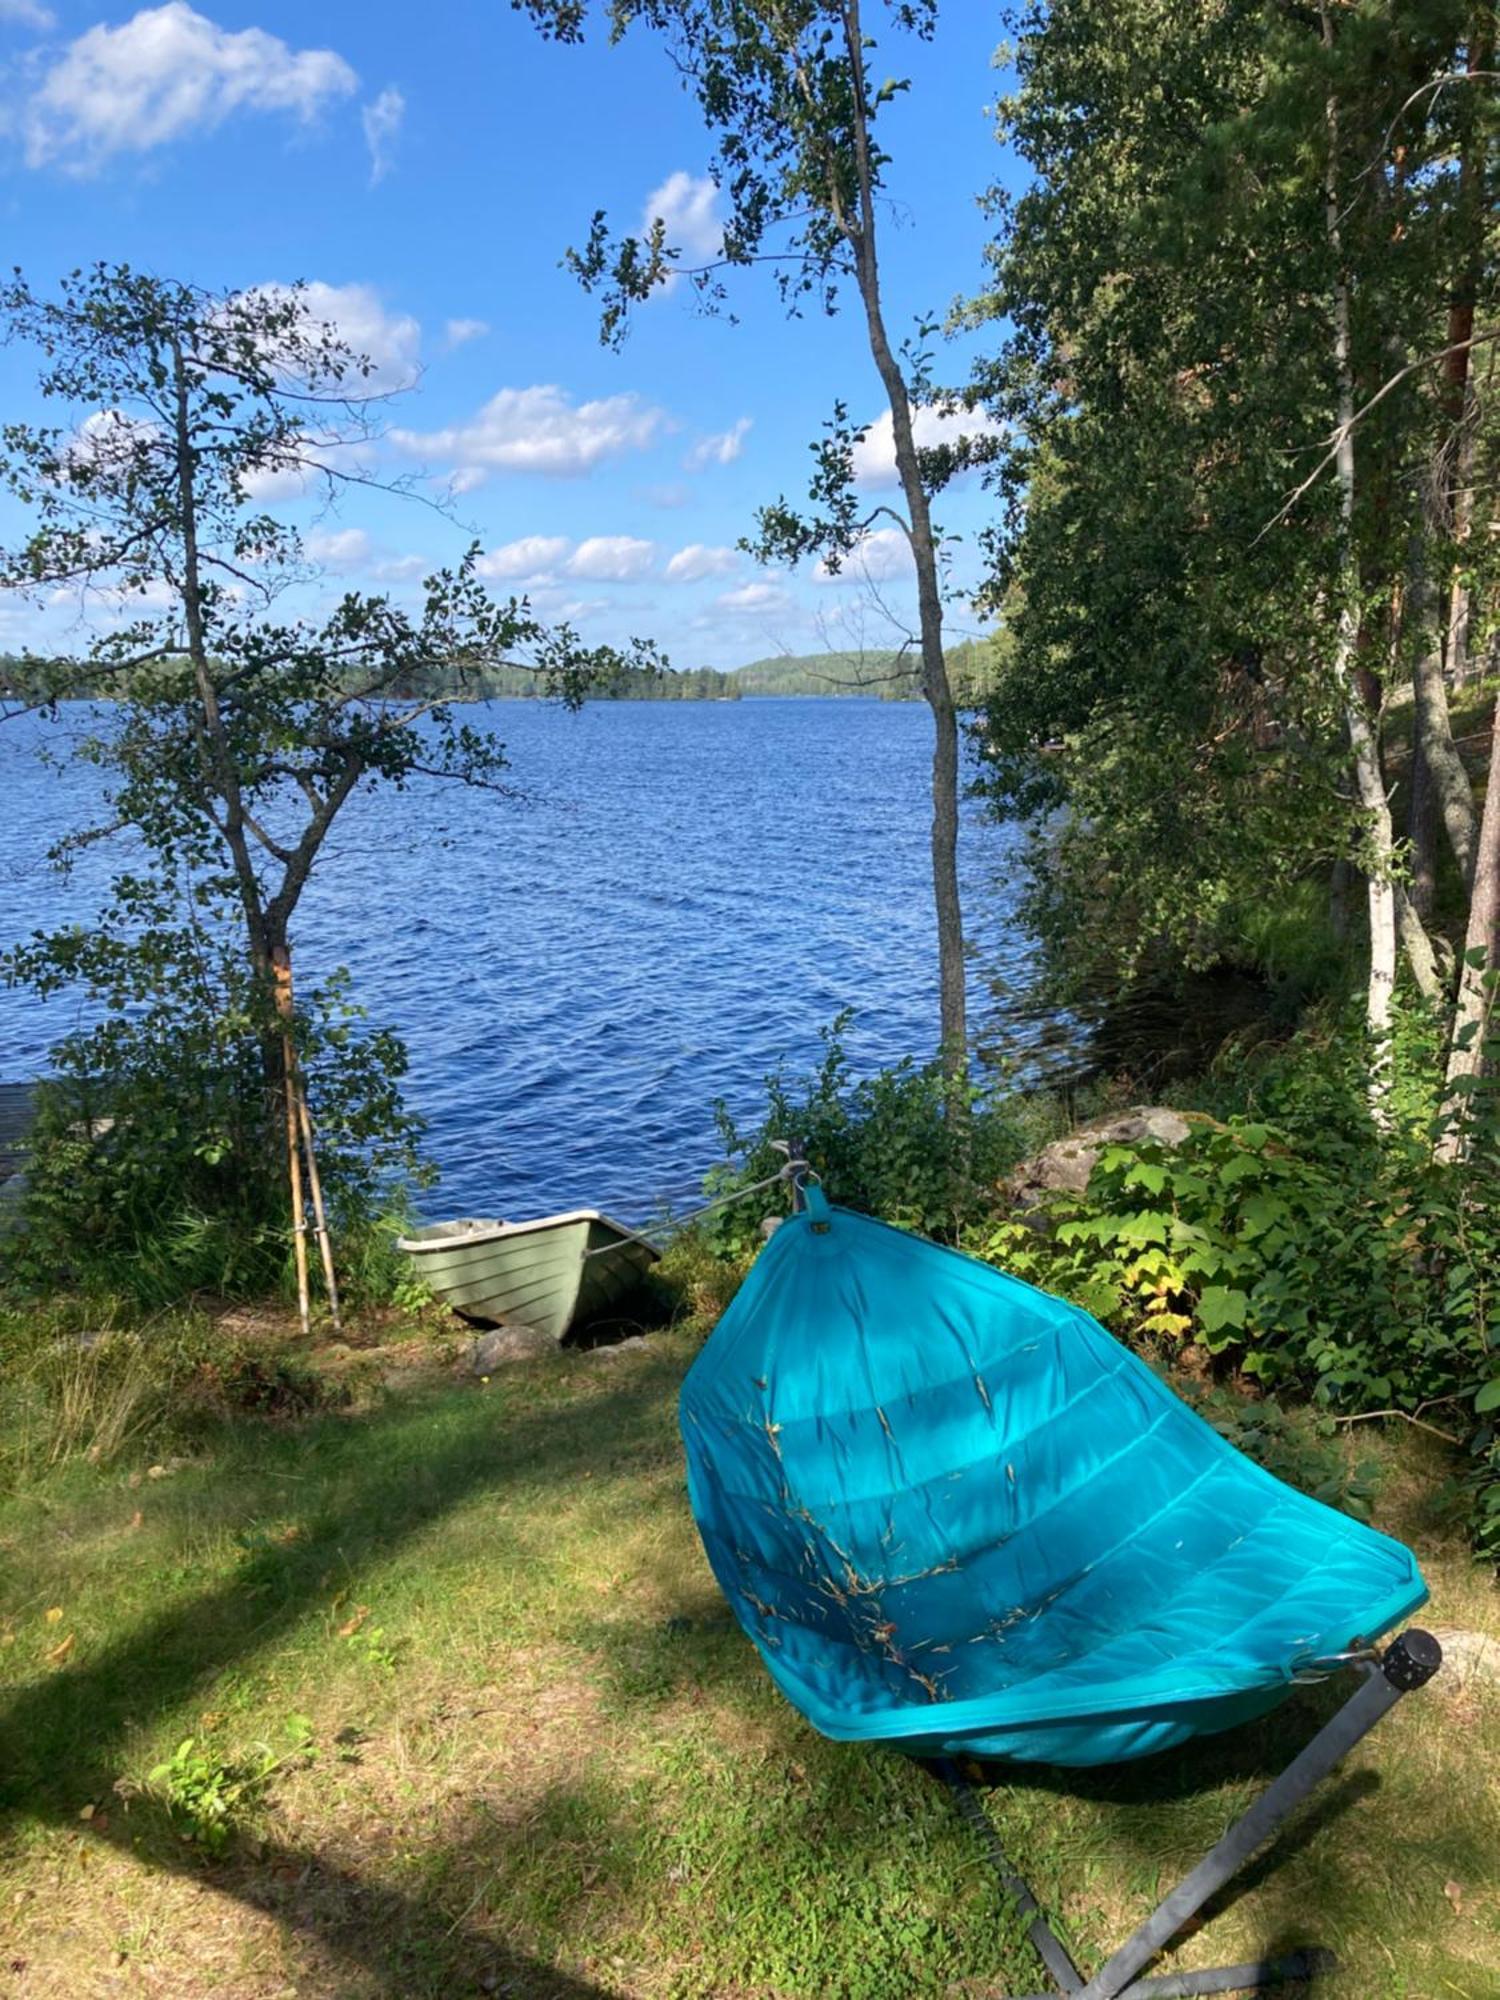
<point>1300,1445</point>
<point>1368,1274</point>
<point>1341,1262</point>
<point>85,1380</point>
<point>156,1166</point>
<point>889,1144</point>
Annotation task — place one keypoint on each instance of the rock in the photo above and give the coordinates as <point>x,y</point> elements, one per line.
<point>1065,1165</point>
<point>606,1350</point>
<point>1471,1664</point>
<point>504,1344</point>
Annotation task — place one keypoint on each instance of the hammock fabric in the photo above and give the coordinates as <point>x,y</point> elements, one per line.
<point>953,1513</point>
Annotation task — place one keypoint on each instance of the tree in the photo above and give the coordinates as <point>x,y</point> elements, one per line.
<point>237,730</point>
<point>788,90</point>
<point>1229,382</point>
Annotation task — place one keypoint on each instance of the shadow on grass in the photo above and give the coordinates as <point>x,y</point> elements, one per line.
<point>61,1737</point>
<point>1164,1812</point>
<point>390,1477</point>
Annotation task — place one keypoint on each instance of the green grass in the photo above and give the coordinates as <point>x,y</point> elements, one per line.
<point>546,1762</point>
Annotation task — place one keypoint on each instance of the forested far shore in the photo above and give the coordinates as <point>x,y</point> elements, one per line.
<point>885,675</point>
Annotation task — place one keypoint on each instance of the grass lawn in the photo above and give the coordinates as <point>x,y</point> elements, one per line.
<point>543,1760</point>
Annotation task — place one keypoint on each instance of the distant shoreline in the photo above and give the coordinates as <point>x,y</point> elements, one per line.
<point>883,676</point>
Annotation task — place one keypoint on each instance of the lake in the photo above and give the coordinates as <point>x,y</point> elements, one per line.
<point>686,895</point>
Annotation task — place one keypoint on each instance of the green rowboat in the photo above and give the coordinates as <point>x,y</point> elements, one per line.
<point>551,1274</point>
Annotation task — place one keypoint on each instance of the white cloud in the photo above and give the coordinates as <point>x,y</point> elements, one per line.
<point>688,205</point>
<point>402,569</point>
<point>338,548</point>
<point>381,120</point>
<point>754,597</point>
<point>460,331</point>
<point>539,430</point>
<point>118,602</point>
<point>526,560</point>
<point>165,73</point>
<point>541,559</point>
<point>612,559</point>
<point>307,464</point>
<point>879,555</point>
<point>466,479</point>
<point>391,341</point>
<point>875,454</point>
<point>107,440</point>
<point>697,560</point>
<point>719,447</point>
<point>282,475</point>
<point>28,14</point>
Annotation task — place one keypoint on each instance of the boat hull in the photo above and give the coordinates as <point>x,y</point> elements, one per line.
<point>549,1275</point>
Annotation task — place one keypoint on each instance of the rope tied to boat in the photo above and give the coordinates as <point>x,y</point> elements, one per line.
<point>792,1175</point>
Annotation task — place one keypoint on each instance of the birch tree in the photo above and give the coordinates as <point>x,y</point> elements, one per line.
<point>789,91</point>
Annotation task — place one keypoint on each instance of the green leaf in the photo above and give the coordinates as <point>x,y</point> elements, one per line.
<point>1144,1227</point>
<point>1219,1306</point>
<point>1259,1211</point>
<point>1488,1397</point>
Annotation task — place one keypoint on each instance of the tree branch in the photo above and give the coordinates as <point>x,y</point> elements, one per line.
<point>1344,430</point>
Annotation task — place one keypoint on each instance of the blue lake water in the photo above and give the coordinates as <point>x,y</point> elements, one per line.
<point>687,893</point>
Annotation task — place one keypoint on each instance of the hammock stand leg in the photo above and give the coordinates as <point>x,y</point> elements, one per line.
<point>1408,1663</point>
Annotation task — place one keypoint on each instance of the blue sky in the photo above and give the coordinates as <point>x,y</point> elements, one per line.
<point>424,169</point>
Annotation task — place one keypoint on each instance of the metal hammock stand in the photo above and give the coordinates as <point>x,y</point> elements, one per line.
<point>822,1433</point>
<point>1408,1663</point>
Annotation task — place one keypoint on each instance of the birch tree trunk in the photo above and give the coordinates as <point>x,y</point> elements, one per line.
<point>1432,725</point>
<point>1458,368</point>
<point>1473,1013</point>
<point>936,687</point>
<point>1368,780</point>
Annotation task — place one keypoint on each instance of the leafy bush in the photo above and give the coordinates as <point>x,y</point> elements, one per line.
<point>1313,1086</point>
<point>888,1143</point>
<point>1353,1266</point>
<point>1301,1446</point>
<point>157,1162</point>
<point>1369,1274</point>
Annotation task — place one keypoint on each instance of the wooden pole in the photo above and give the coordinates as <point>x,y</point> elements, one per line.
<point>315,1183</point>
<point>283,990</point>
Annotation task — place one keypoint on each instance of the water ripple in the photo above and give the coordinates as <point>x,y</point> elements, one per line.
<point>689,893</point>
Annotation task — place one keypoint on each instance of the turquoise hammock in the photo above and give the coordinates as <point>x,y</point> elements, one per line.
<point>956,1516</point>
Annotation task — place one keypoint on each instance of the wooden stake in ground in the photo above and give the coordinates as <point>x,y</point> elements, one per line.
<point>283,991</point>
<point>320,1218</point>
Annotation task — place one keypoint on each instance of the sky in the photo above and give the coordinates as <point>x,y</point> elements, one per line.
<point>423,170</point>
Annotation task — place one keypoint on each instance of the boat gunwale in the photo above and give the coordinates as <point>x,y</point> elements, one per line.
<point>499,1232</point>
